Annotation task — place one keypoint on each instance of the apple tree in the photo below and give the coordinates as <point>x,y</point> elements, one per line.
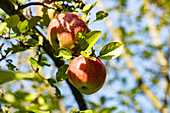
<point>68,43</point>
<point>80,56</point>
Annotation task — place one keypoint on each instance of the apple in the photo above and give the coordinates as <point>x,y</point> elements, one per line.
<point>46,14</point>
<point>87,75</point>
<point>63,28</point>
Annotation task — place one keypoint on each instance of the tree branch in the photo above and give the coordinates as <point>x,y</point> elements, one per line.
<point>20,7</point>
<point>8,7</point>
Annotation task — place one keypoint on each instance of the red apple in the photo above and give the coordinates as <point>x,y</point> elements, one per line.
<point>64,28</point>
<point>87,75</point>
<point>46,14</point>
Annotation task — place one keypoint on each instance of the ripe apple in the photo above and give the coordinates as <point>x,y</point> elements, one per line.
<point>87,75</point>
<point>46,14</point>
<point>63,28</point>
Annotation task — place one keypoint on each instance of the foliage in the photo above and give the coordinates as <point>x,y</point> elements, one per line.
<point>33,75</point>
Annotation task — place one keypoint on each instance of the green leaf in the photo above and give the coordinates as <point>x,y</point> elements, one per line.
<point>86,111</point>
<point>14,35</point>
<point>38,64</point>
<point>101,15</point>
<point>102,100</point>
<point>18,48</point>
<point>74,110</point>
<point>63,53</point>
<point>26,96</point>
<point>12,21</point>
<point>88,42</point>
<point>52,83</point>
<point>16,30</point>
<point>108,110</point>
<point>33,21</point>
<point>21,37</point>
<point>111,50</point>
<point>94,105</point>
<point>10,98</point>
<point>87,8</point>
<point>23,26</point>
<point>134,42</point>
<point>131,33</point>
<point>25,75</point>
<point>80,34</point>
<point>146,54</point>
<point>104,37</point>
<point>39,111</point>
<point>6,76</point>
<point>32,42</point>
<point>61,74</point>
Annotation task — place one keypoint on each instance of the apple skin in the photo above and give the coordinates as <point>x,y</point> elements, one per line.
<point>46,14</point>
<point>87,75</point>
<point>63,28</point>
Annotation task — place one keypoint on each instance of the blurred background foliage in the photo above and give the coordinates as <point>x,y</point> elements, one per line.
<point>137,82</point>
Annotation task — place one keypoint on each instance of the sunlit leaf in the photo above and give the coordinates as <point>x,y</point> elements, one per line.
<point>24,75</point>
<point>9,97</point>
<point>111,50</point>
<point>26,96</point>
<point>38,64</point>
<point>23,26</point>
<point>63,53</point>
<point>41,100</point>
<point>14,35</point>
<point>87,8</point>
<point>86,111</point>
<point>74,110</point>
<point>88,42</point>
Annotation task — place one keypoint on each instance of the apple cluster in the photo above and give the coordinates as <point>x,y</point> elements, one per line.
<point>87,75</point>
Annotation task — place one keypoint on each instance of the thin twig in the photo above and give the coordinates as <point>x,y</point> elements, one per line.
<point>20,7</point>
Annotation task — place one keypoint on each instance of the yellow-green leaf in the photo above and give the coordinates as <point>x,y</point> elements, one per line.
<point>111,50</point>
